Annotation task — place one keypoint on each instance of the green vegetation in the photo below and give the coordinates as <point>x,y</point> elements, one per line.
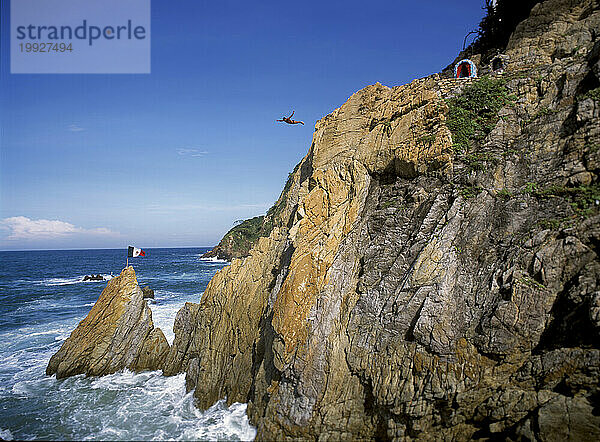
<point>594,94</point>
<point>468,192</point>
<point>538,80</point>
<point>474,113</point>
<point>529,281</point>
<point>505,194</point>
<point>508,152</point>
<point>530,189</point>
<point>544,111</point>
<point>249,229</point>
<point>426,140</point>
<point>498,24</point>
<point>478,161</point>
<point>584,200</point>
<point>387,204</point>
<point>518,75</point>
<point>387,127</point>
<point>385,123</point>
<point>239,240</point>
<point>557,223</point>
<point>551,223</point>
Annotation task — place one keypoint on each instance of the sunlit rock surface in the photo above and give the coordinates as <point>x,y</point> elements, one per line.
<point>117,333</point>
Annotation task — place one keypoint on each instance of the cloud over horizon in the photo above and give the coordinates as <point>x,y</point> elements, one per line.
<point>21,227</point>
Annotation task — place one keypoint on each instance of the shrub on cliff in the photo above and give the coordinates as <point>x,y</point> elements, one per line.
<point>500,21</point>
<point>474,113</point>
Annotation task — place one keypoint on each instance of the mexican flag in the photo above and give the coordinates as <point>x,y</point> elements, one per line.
<point>133,252</point>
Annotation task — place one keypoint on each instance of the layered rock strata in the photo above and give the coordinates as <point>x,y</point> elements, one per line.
<point>117,333</point>
<point>409,290</point>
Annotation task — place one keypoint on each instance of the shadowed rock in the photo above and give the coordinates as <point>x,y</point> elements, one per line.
<point>93,278</point>
<point>117,333</point>
<point>148,292</point>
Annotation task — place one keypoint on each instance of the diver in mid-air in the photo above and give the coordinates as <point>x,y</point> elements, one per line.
<point>289,120</point>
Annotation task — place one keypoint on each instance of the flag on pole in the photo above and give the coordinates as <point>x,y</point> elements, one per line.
<point>134,252</point>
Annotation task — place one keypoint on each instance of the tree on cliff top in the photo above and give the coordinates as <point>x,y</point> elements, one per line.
<point>500,21</point>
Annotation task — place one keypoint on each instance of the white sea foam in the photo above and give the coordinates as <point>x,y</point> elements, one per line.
<point>6,434</point>
<point>121,406</point>
<point>50,282</point>
<point>214,259</point>
<point>19,389</point>
<point>165,309</point>
<point>47,332</point>
<point>174,415</point>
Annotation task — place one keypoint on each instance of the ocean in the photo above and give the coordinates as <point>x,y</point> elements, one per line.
<point>42,299</point>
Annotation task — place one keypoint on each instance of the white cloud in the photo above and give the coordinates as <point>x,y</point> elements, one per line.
<point>191,152</point>
<point>21,227</point>
<point>75,128</point>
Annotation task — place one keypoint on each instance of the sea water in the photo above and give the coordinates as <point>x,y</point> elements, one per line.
<point>42,299</point>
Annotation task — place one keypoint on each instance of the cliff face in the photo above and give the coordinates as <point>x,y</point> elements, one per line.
<point>432,271</point>
<point>117,333</point>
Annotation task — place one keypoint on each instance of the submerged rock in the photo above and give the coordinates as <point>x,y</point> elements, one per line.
<point>93,278</point>
<point>117,333</point>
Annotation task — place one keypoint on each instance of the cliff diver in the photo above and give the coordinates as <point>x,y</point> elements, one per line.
<point>289,120</point>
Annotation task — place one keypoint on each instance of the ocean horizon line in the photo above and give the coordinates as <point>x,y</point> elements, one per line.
<point>103,248</point>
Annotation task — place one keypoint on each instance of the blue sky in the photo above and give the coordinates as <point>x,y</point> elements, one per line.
<point>173,158</point>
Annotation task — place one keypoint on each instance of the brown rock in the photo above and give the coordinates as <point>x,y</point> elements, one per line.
<point>117,333</point>
<point>148,292</point>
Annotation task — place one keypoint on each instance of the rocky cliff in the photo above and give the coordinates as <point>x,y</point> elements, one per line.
<point>433,267</point>
<point>117,333</point>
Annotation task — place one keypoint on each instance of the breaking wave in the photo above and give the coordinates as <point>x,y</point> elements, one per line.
<point>39,312</point>
<point>214,259</point>
<point>50,282</point>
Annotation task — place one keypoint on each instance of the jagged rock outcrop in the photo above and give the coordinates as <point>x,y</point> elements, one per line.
<point>117,333</point>
<point>421,282</point>
<point>147,292</point>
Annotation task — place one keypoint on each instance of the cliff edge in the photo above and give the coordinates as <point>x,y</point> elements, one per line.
<point>117,333</point>
<point>433,269</point>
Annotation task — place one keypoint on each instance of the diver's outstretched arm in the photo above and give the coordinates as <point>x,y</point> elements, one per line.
<point>292,114</point>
